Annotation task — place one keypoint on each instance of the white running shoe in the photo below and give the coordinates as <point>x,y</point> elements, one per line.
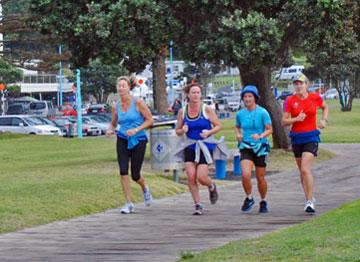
<point>128,208</point>
<point>309,207</point>
<point>147,197</point>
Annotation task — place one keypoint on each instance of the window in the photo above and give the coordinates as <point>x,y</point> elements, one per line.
<point>5,121</point>
<point>292,70</point>
<point>16,121</point>
<point>37,105</point>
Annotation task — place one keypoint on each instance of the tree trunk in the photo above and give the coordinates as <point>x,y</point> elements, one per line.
<point>159,85</point>
<point>261,79</point>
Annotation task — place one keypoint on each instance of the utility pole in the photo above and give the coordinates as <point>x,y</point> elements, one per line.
<point>60,100</point>
<point>1,35</point>
<point>78,104</point>
<point>171,74</point>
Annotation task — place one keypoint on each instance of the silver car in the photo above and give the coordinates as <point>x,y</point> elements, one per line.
<point>25,124</point>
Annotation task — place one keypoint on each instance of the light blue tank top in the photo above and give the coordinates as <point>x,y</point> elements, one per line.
<point>129,120</point>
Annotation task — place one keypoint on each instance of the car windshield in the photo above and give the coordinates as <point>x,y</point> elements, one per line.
<point>45,120</point>
<point>33,121</point>
<point>62,122</point>
<point>37,105</point>
<point>99,119</point>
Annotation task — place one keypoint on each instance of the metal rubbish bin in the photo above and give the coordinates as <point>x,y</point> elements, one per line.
<point>163,142</point>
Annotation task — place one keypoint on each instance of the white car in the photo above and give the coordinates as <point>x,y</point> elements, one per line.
<point>209,102</point>
<point>25,124</point>
<point>287,73</point>
<point>331,93</point>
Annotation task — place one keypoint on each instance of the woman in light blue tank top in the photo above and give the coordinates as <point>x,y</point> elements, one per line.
<point>197,122</point>
<point>134,117</point>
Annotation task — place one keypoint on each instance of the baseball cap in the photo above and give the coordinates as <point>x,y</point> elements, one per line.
<point>300,77</point>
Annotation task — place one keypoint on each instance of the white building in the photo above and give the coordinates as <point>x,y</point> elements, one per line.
<point>39,84</point>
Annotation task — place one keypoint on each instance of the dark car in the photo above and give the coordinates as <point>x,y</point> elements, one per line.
<point>17,109</point>
<point>285,94</point>
<point>99,108</point>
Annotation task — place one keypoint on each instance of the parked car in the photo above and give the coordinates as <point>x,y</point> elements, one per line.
<point>209,102</point>
<point>87,129</point>
<point>69,129</point>
<point>18,109</point>
<point>42,108</point>
<point>98,108</point>
<point>52,123</point>
<point>95,121</point>
<point>68,110</point>
<point>331,93</point>
<point>284,94</point>
<point>24,124</point>
<point>287,73</point>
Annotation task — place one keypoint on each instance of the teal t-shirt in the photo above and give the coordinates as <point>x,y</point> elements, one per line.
<point>253,122</point>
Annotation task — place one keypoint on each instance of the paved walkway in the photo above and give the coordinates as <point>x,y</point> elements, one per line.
<point>163,231</point>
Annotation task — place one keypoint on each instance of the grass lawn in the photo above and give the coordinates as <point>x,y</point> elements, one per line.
<point>334,236</point>
<point>221,81</point>
<point>343,127</point>
<point>43,179</point>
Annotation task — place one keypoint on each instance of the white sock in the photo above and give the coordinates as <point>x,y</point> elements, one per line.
<point>212,187</point>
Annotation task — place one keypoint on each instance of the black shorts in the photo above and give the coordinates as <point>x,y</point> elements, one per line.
<point>189,155</point>
<point>248,154</point>
<point>311,147</point>
<point>135,156</point>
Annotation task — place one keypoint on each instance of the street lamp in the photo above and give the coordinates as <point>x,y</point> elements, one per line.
<point>171,74</point>
<point>78,104</point>
<point>60,100</point>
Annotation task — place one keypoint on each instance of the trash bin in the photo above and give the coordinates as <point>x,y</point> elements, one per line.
<point>163,142</point>
<point>220,169</point>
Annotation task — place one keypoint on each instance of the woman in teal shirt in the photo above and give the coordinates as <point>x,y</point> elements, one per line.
<point>253,126</point>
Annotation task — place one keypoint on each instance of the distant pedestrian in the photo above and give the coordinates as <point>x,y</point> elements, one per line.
<point>176,106</point>
<point>198,122</point>
<point>133,116</point>
<point>252,129</point>
<point>300,112</point>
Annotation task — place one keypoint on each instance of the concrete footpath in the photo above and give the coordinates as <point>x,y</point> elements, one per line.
<point>164,230</point>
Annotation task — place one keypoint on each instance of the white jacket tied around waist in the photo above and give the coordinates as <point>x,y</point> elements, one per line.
<point>220,151</point>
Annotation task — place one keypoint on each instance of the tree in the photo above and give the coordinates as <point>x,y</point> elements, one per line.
<point>334,51</point>
<point>8,73</point>
<point>133,31</point>
<point>255,36</point>
<point>99,79</point>
<point>23,43</point>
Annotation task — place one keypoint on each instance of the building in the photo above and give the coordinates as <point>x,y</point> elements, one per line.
<point>44,86</point>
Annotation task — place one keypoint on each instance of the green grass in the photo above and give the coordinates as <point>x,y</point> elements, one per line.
<point>221,81</point>
<point>334,236</point>
<point>43,179</point>
<point>343,127</point>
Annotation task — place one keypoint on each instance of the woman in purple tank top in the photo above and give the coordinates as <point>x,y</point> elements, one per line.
<point>197,121</point>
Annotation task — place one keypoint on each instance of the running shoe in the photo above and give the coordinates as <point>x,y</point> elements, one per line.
<point>213,195</point>
<point>309,207</point>
<point>198,210</point>
<point>127,208</point>
<point>248,204</point>
<point>263,207</point>
<point>147,197</point>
